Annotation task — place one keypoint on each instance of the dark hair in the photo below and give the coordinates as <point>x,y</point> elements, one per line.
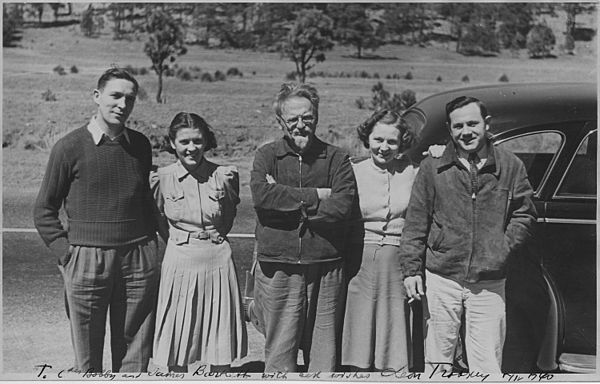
<point>386,116</point>
<point>289,90</point>
<point>117,73</point>
<point>191,120</point>
<point>460,102</point>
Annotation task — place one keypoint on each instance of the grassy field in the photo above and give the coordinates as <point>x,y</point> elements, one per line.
<point>239,108</point>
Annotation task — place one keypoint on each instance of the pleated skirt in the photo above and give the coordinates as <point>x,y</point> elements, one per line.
<point>375,333</point>
<point>199,313</point>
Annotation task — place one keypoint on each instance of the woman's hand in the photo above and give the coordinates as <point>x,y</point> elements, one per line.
<point>435,151</point>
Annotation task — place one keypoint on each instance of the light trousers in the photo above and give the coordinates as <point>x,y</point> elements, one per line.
<point>485,316</point>
<point>301,308</point>
<point>123,280</point>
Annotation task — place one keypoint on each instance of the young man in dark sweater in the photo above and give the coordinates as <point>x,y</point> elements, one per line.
<point>107,251</point>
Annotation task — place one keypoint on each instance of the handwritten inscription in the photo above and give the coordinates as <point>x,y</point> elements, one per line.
<point>437,372</point>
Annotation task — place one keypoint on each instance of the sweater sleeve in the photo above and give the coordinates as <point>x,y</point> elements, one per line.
<point>53,191</point>
<point>277,197</point>
<point>418,221</point>
<point>158,206</point>
<point>338,206</point>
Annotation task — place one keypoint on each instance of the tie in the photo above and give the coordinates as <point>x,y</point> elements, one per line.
<point>473,172</point>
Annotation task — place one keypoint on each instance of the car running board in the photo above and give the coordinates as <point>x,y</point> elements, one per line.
<point>577,363</point>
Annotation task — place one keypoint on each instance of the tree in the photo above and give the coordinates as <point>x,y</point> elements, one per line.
<point>56,7</point>
<point>165,42</point>
<point>354,26</point>
<point>90,24</point>
<point>540,41</point>
<point>38,9</point>
<point>307,40</point>
<point>479,39</point>
<point>572,10</point>
<point>12,19</point>
<point>515,20</point>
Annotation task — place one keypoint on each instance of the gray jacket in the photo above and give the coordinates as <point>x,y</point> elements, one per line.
<point>462,236</point>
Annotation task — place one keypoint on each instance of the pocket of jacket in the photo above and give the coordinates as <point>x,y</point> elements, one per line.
<point>436,236</point>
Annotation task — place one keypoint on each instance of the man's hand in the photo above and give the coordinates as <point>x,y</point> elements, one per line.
<point>435,151</point>
<point>323,193</point>
<point>414,287</point>
<point>270,179</point>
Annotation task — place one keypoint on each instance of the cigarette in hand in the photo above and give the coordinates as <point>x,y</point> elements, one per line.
<point>411,300</point>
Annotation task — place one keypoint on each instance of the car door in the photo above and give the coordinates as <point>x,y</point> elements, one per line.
<point>561,164</point>
<point>569,231</point>
<point>527,297</point>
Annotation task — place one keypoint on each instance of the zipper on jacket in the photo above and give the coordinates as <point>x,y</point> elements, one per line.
<point>507,212</point>
<point>301,218</point>
<point>473,219</point>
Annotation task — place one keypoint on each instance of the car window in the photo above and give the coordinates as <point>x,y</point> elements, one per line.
<point>537,151</point>
<point>580,178</point>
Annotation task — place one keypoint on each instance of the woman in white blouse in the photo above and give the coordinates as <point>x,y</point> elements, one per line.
<point>375,325</point>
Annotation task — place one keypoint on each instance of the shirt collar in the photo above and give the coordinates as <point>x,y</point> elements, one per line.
<point>317,149</point>
<point>97,132</point>
<point>450,157</point>
<point>202,172</point>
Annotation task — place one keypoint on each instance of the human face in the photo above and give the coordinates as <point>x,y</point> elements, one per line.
<point>298,122</point>
<point>468,128</point>
<point>189,146</point>
<point>384,143</point>
<point>115,102</point>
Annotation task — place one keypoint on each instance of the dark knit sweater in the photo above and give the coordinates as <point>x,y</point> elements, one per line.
<point>104,188</point>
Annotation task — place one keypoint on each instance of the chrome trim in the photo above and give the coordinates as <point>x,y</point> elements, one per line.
<point>568,221</point>
<point>540,187</point>
<point>562,179</point>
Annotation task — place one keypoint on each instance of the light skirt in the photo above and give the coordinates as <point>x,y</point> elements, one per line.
<point>199,313</point>
<point>375,333</point>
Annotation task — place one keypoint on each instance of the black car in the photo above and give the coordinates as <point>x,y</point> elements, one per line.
<point>551,288</point>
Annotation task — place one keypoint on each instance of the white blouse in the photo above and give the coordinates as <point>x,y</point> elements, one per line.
<point>383,197</point>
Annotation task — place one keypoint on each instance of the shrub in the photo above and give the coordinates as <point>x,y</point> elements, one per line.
<point>376,75</point>
<point>438,79</point>
<point>233,71</point>
<point>169,72</point>
<point>381,98</point>
<point>479,39</point>
<point>59,70</point>
<point>360,103</point>
<point>131,70</point>
<point>540,41</point>
<point>364,74</point>
<point>503,78</point>
<point>74,69</point>
<point>465,79</point>
<point>143,71</point>
<point>288,76</point>
<point>220,76</point>
<point>142,94</point>
<point>408,97</point>
<point>184,74</point>
<point>48,95</point>
<point>408,76</point>
<point>207,77</point>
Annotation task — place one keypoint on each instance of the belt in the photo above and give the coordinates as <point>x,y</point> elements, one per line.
<point>179,236</point>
